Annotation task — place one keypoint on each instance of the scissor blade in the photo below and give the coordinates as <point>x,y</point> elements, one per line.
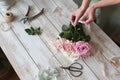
<point>76,68</point>
<point>40,13</point>
<point>24,20</point>
<point>64,67</point>
<point>28,11</point>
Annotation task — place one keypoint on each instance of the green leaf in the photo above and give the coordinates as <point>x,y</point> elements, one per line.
<point>80,29</point>
<point>65,28</point>
<point>38,28</point>
<point>72,29</point>
<point>29,31</point>
<point>37,31</point>
<point>61,34</point>
<point>87,38</point>
<point>76,37</point>
<point>66,35</point>
<point>33,31</point>
<point>79,25</point>
<point>32,28</point>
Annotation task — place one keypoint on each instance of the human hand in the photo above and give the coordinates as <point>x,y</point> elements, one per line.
<point>75,16</point>
<point>88,16</point>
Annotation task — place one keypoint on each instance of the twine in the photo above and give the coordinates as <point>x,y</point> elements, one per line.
<point>9,17</point>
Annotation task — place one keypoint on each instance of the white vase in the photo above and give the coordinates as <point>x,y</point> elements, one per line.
<point>5,4</point>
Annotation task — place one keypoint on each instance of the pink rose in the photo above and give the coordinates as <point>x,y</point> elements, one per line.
<point>68,46</point>
<point>58,44</point>
<point>83,48</point>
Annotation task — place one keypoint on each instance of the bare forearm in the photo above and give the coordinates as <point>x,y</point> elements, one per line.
<point>85,4</point>
<point>104,3</point>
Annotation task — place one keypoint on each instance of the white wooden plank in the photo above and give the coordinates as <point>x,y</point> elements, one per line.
<point>17,55</point>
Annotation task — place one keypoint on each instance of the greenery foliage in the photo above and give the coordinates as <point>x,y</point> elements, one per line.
<point>74,33</point>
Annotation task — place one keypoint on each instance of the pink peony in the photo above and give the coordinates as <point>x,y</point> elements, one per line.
<point>83,48</point>
<point>68,46</point>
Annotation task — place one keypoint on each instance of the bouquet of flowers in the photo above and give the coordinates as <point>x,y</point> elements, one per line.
<point>73,42</point>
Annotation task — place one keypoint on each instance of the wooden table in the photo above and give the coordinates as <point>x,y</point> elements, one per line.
<point>29,54</point>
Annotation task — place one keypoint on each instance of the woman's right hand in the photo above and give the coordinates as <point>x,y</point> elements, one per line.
<point>76,15</point>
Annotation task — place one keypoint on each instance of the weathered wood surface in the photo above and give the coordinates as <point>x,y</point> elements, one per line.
<point>29,54</point>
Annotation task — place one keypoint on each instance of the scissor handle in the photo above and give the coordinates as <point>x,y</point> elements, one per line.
<point>80,66</point>
<point>73,70</point>
<point>76,75</point>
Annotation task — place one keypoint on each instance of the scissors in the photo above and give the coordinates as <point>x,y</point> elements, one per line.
<point>74,69</point>
<point>28,18</point>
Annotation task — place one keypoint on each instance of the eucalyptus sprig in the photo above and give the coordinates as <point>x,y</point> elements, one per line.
<point>33,31</point>
<point>74,33</point>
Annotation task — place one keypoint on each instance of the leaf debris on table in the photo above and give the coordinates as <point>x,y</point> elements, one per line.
<point>33,31</point>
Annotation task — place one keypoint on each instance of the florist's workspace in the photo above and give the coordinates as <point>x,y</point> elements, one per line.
<point>41,43</point>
